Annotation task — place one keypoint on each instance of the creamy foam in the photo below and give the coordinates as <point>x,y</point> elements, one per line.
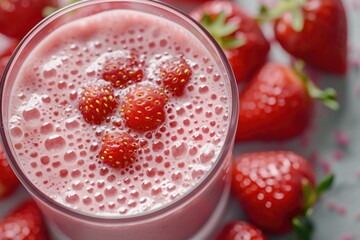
<point>58,150</point>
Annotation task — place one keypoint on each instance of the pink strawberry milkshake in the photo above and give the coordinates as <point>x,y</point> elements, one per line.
<point>181,173</point>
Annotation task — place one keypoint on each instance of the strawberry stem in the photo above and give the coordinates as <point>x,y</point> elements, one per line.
<point>222,31</point>
<point>327,96</point>
<point>303,228</point>
<point>293,6</point>
<point>302,224</point>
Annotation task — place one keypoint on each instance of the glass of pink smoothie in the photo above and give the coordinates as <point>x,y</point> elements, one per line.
<point>177,184</point>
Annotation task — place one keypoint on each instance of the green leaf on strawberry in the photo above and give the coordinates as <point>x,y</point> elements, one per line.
<point>325,184</point>
<point>222,31</point>
<point>283,6</point>
<point>327,96</point>
<point>302,224</point>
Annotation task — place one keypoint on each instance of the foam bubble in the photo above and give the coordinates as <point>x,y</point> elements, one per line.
<point>46,128</point>
<point>55,142</point>
<point>31,115</point>
<point>156,190</point>
<point>16,132</point>
<point>179,150</point>
<point>77,185</point>
<point>207,153</point>
<point>70,156</point>
<point>72,197</point>
<point>49,72</point>
<point>72,123</point>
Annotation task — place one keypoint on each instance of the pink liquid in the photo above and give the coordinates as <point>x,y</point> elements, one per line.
<point>57,150</point>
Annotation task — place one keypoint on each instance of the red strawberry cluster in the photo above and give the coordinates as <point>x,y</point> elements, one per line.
<point>276,189</point>
<point>142,107</point>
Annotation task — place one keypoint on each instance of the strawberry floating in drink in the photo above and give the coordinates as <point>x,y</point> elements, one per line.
<point>240,230</point>
<point>118,150</point>
<point>24,223</point>
<point>277,190</point>
<point>97,103</point>
<point>278,103</point>
<point>144,108</point>
<point>238,34</point>
<point>312,30</point>
<point>175,74</point>
<point>123,70</point>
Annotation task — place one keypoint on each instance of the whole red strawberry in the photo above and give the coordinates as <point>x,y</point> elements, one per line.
<point>276,190</point>
<point>238,34</point>
<point>239,230</point>
<point>123,70</point>
<point>8,180</point>
<point>277,104</point>
<point>97,102</point>
<point>314,31</point>
<point>144,108</point>
<point>25,223</point>
<point>118,149</point>
<point>175,74</point>
<point>17,17</point>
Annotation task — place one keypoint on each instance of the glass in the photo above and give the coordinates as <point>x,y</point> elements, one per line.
<point>194,214</point>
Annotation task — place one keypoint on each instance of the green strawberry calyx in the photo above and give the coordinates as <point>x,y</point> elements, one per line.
<point>294,7</point>
<point>50,9</point>
<point>327,96</point>
<point>222,31</point>
<point>302,225</point>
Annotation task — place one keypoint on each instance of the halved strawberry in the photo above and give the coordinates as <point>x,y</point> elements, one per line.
<point>175,74</point>
<point>25,222</point>
<point>143,108</point>
<point>123,69</point>
<point>118,149</point>
<point>97,103</point>
<point>8,180</point>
